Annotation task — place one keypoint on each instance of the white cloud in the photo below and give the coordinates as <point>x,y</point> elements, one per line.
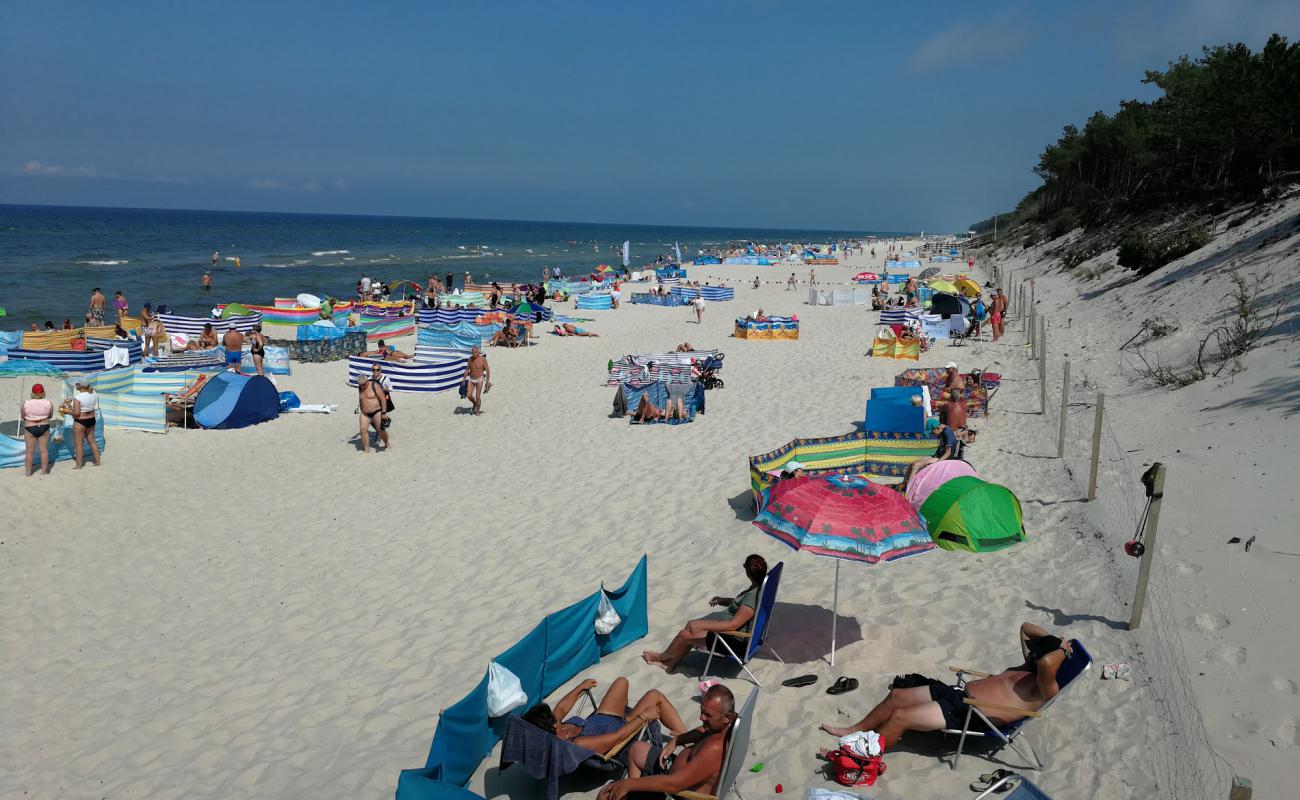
<point>35,167</point>
<point>963,43</point>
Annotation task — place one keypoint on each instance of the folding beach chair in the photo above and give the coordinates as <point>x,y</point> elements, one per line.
<point>734,757</point>
<point>1079,662</point>
<point>1024,789</point>
<point>751,641</point>
<point>547,757</point>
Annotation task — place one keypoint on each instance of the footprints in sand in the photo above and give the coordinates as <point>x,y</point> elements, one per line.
<point>1184,568</point>
<point>1211,622</point>
<point>1284,685</point>
<point>1228,654</point>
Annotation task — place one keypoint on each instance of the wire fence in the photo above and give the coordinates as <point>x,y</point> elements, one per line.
<point>1182,761</point>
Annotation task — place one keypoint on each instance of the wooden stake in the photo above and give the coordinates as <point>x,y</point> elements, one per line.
<point>1042,364</point>
<point>1157,491</point>
<point>1096,445</point>
<point>1065,407</point>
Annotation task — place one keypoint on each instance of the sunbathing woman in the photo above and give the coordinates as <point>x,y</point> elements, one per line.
<point>611,723</point>
<point>646,411</point>
<point>698,632</point>
<point>568,329</point>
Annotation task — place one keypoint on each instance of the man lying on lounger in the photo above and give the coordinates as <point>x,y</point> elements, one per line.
<point>694,767</point>
<point>611,722</point>
<point>933,705</point>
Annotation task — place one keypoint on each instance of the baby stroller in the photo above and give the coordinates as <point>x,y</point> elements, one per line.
<point>708,370</point>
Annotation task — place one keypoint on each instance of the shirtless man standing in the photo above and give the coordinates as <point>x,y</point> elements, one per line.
<point>95,314</point>
<point>479,375</point>
<point>664,770</point>
<point>233,341</point>
<point>371,400</point>
<point>937,706</point>
<point>998,313</point>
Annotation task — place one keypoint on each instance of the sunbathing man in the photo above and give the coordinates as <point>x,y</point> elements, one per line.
<point>661,769</point>
<point>478,376</point>
<point>938,706</point>
<point>611,722</point>
<point>698,632</point>
<point>505,336</point>
<point>206,341</point>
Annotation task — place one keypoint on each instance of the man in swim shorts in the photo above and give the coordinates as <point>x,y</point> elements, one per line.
<point>689,761</point>
<point>233,341</point>
<point>371,400</point>
<point>96,310</point>
<point>934,705</point>
<point>478,375</point>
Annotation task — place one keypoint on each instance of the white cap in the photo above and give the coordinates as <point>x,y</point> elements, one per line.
<point>950,365</point>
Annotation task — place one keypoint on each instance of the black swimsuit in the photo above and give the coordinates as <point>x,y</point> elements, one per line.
<point>256,348</point>
<point>38,430</point>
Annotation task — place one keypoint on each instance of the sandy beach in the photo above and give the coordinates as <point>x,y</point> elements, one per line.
<point>267,612</point>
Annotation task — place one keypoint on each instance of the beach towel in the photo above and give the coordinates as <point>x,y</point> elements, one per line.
<point>117,357</point>
<point>548,757</point>
<point>318,408</point>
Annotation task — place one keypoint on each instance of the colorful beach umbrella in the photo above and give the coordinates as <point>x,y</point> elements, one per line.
<point>942,285</point>
<point>604,268</point>
<point>403,286</point>
<point>967,287</point>
<point>929,272</point>
<point>844,517</point>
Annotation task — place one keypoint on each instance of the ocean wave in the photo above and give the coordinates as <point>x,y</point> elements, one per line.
<point>330,252</point>
<point>111,262</point>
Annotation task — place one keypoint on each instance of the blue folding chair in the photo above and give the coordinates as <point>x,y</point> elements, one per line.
<point>751,641</point>
<point>1079,662</point>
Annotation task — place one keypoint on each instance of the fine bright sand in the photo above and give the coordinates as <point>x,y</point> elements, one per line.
<point>269,613</point>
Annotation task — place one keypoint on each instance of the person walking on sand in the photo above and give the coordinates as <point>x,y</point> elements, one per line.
<point>699,309</point>
<point>996,314</point>
<point>95,313</point>
<point>812,277</point>
<point>36,414</point>
<point>478,379</point>
<point>370,402</point>
<point>792,283</point>
<point>84,404</point>
<point>207,281</point>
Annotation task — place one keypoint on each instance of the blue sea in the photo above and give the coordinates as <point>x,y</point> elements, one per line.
<point>51,257</point>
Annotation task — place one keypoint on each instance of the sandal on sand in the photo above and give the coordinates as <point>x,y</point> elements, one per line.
<point>987,780</point>
<point>802,680</point>
<point>843,685</point>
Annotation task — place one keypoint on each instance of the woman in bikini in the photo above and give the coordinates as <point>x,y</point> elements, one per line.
<point>257,348</point>
<point>37,413</point>
<point>149,330</point>
<point>120,305</point>
<point>84,404</point>
<point>611,722</point>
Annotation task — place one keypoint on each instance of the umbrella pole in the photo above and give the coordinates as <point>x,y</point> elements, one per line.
<point>835,609</point>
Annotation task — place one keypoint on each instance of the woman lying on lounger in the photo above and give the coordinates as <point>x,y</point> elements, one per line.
<point>699,632</point>
<point>611,722</point>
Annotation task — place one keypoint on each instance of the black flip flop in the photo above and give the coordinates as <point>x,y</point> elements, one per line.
<point>802,680</point>
<point>987,780</point>
<point>843,685</point>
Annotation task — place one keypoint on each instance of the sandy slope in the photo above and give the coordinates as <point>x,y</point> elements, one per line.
<point>1229,444</point>
<point>269,613</point>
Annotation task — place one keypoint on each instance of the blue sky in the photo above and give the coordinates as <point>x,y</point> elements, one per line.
<point>872,115</point>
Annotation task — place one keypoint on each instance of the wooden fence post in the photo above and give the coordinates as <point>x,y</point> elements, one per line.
<point>1157,491</point>
<point>1042,365</point>
<point>1096,445</point>
<point>1065,407</point>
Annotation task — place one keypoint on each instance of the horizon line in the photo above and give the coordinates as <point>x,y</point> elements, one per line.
<point>863,231</point>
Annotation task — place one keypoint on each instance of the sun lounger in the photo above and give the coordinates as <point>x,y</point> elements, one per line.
<point>1069,674</point>
<point>748,643</point>
<point>734,758</point>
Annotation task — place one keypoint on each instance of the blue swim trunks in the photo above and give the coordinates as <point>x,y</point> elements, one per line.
<point>232,358</point>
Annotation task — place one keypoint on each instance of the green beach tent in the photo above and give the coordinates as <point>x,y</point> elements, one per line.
<point>967,513</point>
<point>233,310</point>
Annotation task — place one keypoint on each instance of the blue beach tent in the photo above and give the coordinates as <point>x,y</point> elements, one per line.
<point>236,401</point>
<point>890,410</point>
